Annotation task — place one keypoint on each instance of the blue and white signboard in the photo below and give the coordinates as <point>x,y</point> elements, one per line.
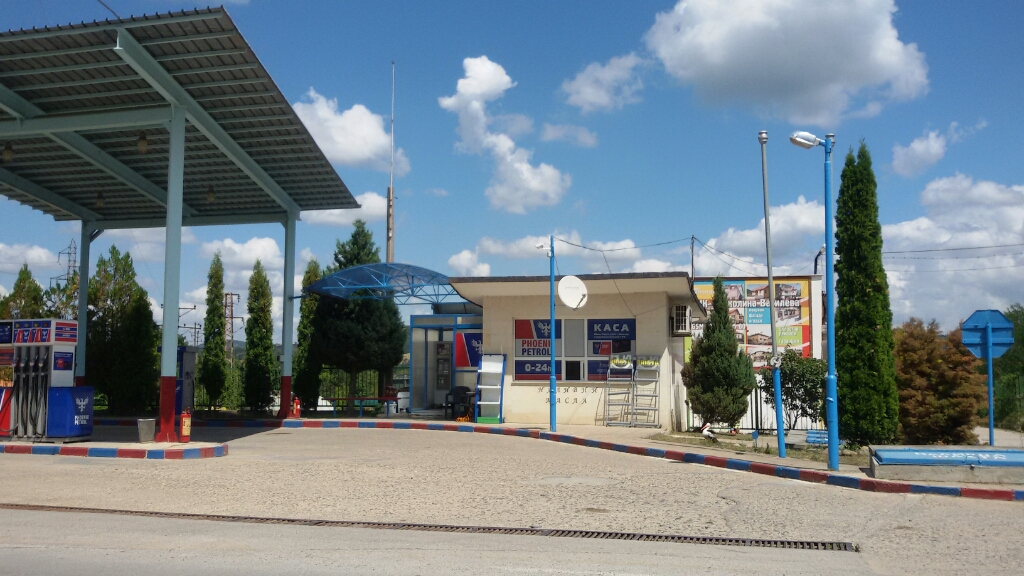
<point>988,334</point>
<point>614,329</point>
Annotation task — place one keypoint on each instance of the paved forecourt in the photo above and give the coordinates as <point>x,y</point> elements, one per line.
<point>419,476</point>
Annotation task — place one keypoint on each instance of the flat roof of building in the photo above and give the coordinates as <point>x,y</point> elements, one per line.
<point>676,284</point>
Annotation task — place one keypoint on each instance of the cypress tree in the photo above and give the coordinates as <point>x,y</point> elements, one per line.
<point>26,298</point>
<point>719,376</point>
<point>868,401</point>
<point>213,369</point>
<point>307,367</point>
<point>259,342</point>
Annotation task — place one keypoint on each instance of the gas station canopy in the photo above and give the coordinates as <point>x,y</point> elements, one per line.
<point>85,118</point>
<point>403,282</point>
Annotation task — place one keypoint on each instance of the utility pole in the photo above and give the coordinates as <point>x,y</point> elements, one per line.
<point>229,324</point>
<point>391,178</point>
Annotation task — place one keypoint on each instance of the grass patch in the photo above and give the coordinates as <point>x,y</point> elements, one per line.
<point>767,447</point>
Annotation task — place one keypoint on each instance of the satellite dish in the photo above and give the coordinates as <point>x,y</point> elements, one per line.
<point>572,292</point>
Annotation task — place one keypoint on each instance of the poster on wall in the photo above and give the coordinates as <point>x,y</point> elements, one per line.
<point>533,338</point>
<point>469,347</point>
<point>750,311</point>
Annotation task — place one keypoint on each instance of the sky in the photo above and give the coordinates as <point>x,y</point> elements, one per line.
<point>618,125</point>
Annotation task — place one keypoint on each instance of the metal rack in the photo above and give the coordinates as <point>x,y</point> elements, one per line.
<point>646,409</point>
<point>633,392</point>
<point>618,395</point>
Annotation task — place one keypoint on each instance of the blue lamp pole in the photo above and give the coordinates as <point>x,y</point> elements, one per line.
<point>808,141</point>
<point>780,423</point>
<point>553,333</point>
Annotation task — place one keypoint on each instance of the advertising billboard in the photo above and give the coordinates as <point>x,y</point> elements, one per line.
<point>750,311</point>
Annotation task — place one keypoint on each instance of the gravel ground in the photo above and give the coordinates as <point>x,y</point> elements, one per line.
<point>478,479</point>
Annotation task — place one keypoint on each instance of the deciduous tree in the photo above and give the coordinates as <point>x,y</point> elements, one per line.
<point>868,401</point>
<point>940,388</point>
<point>121,351</point>
<point>803,386</point>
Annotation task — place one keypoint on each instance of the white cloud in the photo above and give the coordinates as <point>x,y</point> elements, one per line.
<point>439,192</point>
<point>948,286</point>
<point>928,149</point>
<point>355,137</point>
<point>919,155</point>
<point>798,229</point>
<point>655,265</point>
<point>373,207</point>
<point>242,256</point>
<point>605,87</point>
<point>577,135</point>
<point>526,247</point>
<point>512,124</point>
<point>516,186</point>
<point>619,255</point>
<point>806,61</point>
<point>3,291</point>
<point>13,256</point>
<point>467,263</point>
<point>147,244</point>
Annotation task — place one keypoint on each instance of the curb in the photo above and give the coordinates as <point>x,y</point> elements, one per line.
<point>788,472</point>
<point>138,453</point>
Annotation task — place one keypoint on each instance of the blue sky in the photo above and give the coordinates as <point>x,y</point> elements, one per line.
<point>621,124</point>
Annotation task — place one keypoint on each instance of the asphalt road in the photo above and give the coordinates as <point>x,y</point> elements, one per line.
<point>47,543</point>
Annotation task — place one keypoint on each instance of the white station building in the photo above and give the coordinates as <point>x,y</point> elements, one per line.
<point>646,319</point>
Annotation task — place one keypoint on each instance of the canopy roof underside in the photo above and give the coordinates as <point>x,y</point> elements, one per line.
<point>75,101</point>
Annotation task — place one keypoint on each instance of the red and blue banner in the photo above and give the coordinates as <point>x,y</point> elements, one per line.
<point>65,332</point>
<point>469,347</point>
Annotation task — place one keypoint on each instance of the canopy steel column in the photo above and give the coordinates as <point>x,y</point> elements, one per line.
<point>172,272</point>
<point>83,301</point>
<point>288,310</point>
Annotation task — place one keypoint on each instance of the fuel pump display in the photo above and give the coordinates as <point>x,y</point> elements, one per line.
<point>45,405</point>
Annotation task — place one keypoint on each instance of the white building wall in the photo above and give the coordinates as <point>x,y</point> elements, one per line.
<point>580,402</point>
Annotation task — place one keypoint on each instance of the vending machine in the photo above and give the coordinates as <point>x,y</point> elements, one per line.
<point>45,405</point>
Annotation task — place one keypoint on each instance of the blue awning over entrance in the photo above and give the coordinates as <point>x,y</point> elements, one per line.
<point>403,282</point>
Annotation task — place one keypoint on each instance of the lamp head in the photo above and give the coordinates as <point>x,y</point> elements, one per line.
<point>804,139</point>
<point>762,136</point>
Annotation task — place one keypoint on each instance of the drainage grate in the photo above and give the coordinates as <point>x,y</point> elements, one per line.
<point>553,533</point>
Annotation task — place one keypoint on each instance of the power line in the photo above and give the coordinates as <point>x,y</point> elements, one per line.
<point>621,249</point>
<point>948,257</point>
<point>911,271</point>
<point>951,249</point>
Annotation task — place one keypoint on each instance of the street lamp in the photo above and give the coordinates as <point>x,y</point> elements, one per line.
<point>780,427</point>
<point>820,253</point>
<point>551,334</point>
<point>807,140</point>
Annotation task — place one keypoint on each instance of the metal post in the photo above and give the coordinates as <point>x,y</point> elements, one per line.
<point>287,315</point>
<point>172,272</point>
<point>780,422</point>
<point>83,302</point>
<point>831,393</point>
<point>991,403</point>
<point>551,341</point>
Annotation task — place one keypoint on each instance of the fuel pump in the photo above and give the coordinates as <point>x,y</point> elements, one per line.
<point>45,405</point>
